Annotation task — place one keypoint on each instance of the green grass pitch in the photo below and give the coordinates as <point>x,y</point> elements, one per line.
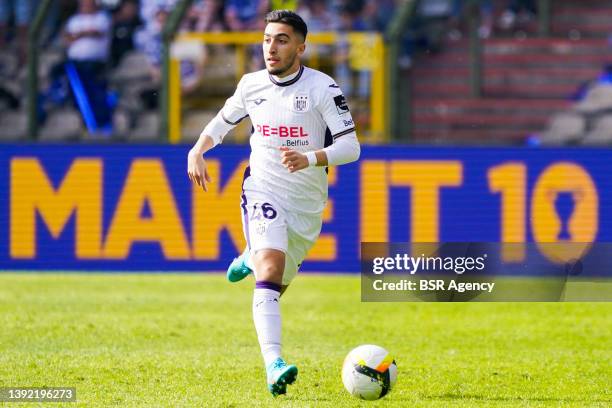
<point>175,340</point>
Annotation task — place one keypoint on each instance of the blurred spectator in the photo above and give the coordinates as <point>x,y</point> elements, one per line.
<point>206,16</point>
<point>351,19</point>
<point>378,14</point>
<point>319,18</point>
<point>517,11</point>
<point>8,98</point>
<point>150,8</point>
<point>317,15</point>
<point>461,9</point>
<point>19,12</point>
<point>125,22</point>
<point>87,34</point>
<point>431,23</point>
<point>604,78</point>
<point>245,15</point>
<point>109,5</point>
<point>150,41</point>
<point>248,15</point>
<point>351,7</point>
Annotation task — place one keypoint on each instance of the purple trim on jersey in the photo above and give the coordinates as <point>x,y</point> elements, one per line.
<point>245,220</point>
<point>290,82</point>
<point>245,213</point>
<point>230,122</point>
<point>246,175</point>
<point>329,140</point>
<point>346,132</point>
<point>268,285</point>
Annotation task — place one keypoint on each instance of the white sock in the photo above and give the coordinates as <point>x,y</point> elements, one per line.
<point>266,315</point>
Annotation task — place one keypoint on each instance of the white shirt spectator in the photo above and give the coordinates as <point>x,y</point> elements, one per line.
<point>90,48</point>
<point>150,8</point>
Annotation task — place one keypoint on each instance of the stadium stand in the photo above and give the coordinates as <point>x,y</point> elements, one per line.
<point>597,99</point>
<point>526,80</point>
<point>601,134</point>
<point>564,128</point>
<point>63,124</point>
<point>146,127</point>
<point>14,125</point>
<point>12,116</point>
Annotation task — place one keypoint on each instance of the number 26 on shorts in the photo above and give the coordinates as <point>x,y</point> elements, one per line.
<point>265,209</point>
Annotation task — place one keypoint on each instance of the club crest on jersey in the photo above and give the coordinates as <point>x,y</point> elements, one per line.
<point>301,103</point>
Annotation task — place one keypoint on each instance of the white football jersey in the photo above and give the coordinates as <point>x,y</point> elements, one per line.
<point>305,112</point>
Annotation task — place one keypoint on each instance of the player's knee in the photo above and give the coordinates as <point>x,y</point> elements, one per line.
<point>269,271</point>
<point>269,265</point>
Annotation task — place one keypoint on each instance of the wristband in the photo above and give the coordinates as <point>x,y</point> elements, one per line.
<point>312,159</point>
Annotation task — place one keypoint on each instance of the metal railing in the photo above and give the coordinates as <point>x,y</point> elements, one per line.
<point>32,87</point>
<point>400,95</point>
<point>377,131</point>
<point>169,32</point>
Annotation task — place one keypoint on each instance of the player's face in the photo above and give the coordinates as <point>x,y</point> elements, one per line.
<point>282,49</point>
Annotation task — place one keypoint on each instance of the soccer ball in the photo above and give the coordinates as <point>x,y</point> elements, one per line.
<point>369,372</point>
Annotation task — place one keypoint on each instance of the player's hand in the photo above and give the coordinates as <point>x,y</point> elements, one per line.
<point>196,169</point>
<point>292,160</point>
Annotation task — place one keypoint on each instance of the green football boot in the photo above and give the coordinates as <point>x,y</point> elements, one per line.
<point>280,374</point>
<point>238,269</point>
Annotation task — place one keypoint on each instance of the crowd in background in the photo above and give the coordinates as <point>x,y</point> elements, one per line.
<point>137,24</point>
<point>95,35</point>
<point>135,21</point>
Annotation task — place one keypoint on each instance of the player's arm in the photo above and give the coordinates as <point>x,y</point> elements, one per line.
<point>196,165</point>
<point>232,113</point>
<point>345,147</point>
<point>342,151</point>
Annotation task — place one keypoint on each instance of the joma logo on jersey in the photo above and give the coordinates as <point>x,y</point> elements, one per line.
<point>281,131</point>
<point>257,101</point>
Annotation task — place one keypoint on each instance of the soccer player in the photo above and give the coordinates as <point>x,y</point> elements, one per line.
<point>300,124</point>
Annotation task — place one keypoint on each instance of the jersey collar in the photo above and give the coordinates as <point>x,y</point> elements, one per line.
<point>288,80</point>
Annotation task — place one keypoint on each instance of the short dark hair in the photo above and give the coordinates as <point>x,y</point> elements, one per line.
<point>290,18</point>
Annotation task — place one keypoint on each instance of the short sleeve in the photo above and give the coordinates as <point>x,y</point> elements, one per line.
<point>234,109</point>
<point>228,117</point>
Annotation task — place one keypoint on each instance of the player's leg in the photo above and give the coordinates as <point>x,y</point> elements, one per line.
<point>281,274</point>
<point>240,267</point>
<point>269,265</point>
<point>266,233</point>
